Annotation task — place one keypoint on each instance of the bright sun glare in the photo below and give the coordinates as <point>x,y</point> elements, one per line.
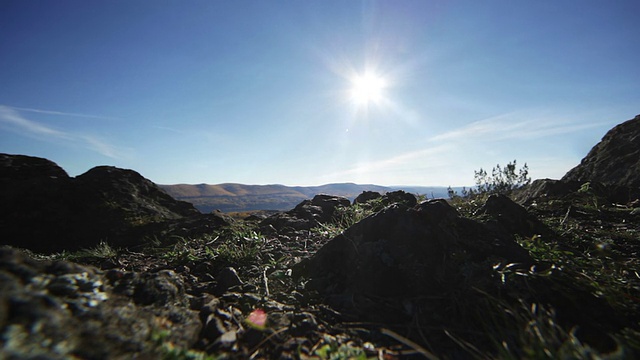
<point>367,88</point>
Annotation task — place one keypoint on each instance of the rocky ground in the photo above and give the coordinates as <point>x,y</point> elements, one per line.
<point>388,277</point>
<point>108,266</point>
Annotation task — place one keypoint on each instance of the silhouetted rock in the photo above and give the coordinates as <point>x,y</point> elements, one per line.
<point>367,196</point>
<point>43,209</point>
<point>505,215</point>
<point>408,251</point>
<point>34,202</point>
<point>306,215</point>
<point>615,160</point>
<point>61,310</point>
<point>27,168</point>
<point>399,197</point>
<point>327,204</point>
<point>427,264</point>
<point>544,189</point>
<point>107,188</point>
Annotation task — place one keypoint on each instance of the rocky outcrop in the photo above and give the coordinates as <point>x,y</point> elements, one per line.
<point>545,189</point>
<point>27,168</point>
<point>322,208</point>
<point>43,209</point>
<point>615,160</point>
<point>407,251</point>
<point>366,196</point>
<point>503,215</point>
<point>399,197</point>
<point>427,264</point>
<point>62,310</point>
<point>129,193</point>
<point>306,215</point>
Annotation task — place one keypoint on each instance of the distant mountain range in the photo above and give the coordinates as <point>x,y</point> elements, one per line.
<point>239,197</point>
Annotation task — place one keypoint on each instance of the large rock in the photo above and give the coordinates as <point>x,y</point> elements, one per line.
<point>27,168</point>
<point>428,265</point>
<point>502,214</point>
<point>129,193</point>
<point>306,215</point>
<point>399,197</point>
<point>34,205</point>
<point>409,251</point>
<point>366,196</point>
<point>615,160</point>
<point>543,189</point>
<point>322,209</point>
<point>43,209</point>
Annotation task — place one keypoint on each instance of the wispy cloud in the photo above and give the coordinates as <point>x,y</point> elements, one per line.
<point>9,116</point>
<point>170,129</point>
<point>51,112</point>
<point>20,124</point>
<point>451,156</point>
<point>102,147</point>
<point>512,126</point>
<point>395,164</point>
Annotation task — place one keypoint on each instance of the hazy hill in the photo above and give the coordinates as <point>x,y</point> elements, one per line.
<point>230,197</point>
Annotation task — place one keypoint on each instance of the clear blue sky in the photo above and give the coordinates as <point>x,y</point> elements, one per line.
<point>260,92</point>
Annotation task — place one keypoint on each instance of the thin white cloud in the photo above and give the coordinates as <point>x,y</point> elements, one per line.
<point>170,129</point>
<point>399,163</point>
<point>9,116</point>
<point>513,126</point>
<point>101,147</point>
<point>51,112</point>
<point>445,157</point>
<point>18,123</point>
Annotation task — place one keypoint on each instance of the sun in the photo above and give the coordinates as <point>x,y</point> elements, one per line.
<point>367,88</point>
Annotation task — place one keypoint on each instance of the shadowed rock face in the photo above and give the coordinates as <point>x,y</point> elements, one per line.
<point>544,189</point>
<point>27,168</point>
<point>615,160</point>
<point>306,215</point>
<point>403,251</point>
<point>43,209</point>
<point>321,210</point>
<point>502,214</point>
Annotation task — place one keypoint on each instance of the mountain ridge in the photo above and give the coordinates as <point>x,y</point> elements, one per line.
<point>232,197</point>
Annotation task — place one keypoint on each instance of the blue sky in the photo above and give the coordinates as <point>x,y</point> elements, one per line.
<point>260,92</point>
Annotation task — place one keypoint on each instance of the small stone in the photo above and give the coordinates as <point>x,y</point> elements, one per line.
<point>228,337</point>
<point>227,278</point>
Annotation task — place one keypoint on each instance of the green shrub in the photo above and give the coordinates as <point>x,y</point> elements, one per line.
<point>503,180</point>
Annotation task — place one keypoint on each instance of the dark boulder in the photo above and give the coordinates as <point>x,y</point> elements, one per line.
<point>542,189</point>
<point>327,204</point>
<point>408,251</point>
<point>34,205</point>
<point>14,168</point>
<point>399,197</point>
<point>306,215</point>
<point>615,160</point>
<point>428,265</point>
<point>128,192</point>
<point>375,201</point>
<point>502,214</point>
<point>366,196</point>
